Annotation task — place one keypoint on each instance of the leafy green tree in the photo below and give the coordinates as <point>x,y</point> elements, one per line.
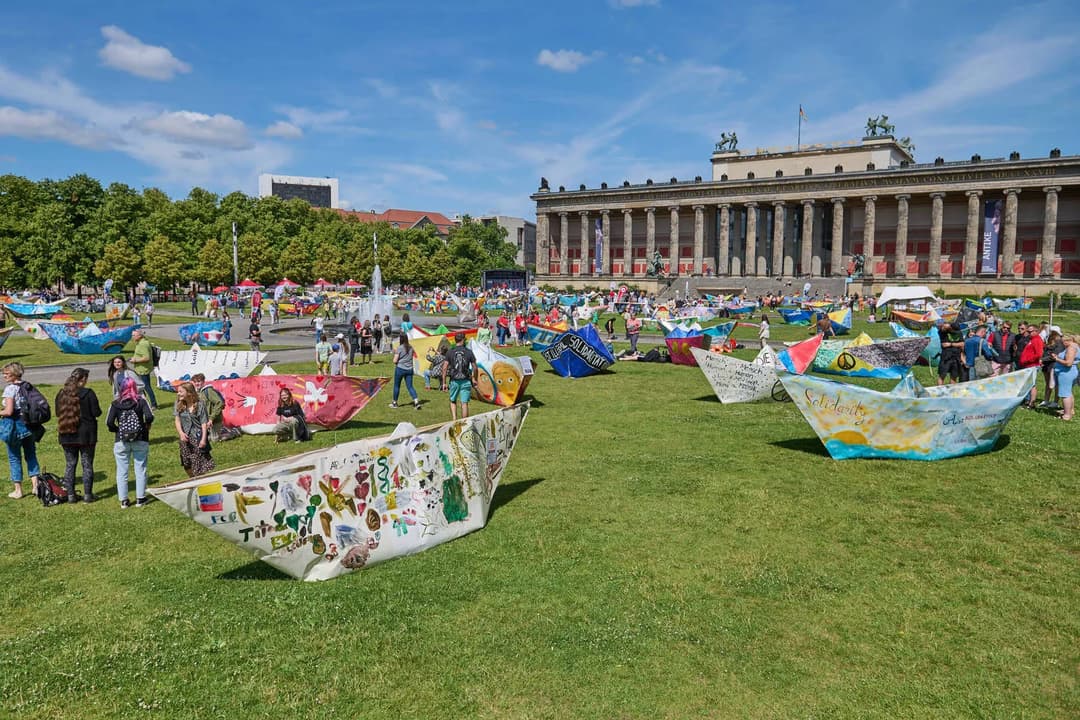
<point>163,262</point>
<point>329,260</point>
<point>257,258</point>
<point>45,253</point>
<point>442,264</point>
<point>120,262</point>
<point>214,263</point>
<point>390,264</point>
<point>359,253</point>
<point>416,268</point>
<point>295,262</point>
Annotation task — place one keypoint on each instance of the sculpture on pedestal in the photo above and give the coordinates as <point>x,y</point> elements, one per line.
<point>728,143</point>
<point>881,122</point>
<point>656,267</point>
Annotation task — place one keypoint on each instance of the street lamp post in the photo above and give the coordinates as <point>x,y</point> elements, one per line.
<point>235,264</point>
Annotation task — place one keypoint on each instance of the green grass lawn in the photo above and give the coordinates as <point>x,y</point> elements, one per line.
<point>651,554</point>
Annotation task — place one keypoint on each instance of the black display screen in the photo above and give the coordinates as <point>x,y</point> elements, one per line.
<point>315,195</point>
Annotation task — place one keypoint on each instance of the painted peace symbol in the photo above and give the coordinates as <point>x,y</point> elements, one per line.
<point>846,361</point>
<point>779,393</point>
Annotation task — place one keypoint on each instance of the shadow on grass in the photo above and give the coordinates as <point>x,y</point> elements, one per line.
<point>536,403</point>
<point>508,493</point>
<point>810,445</point>
<point>706,398</point>
<point>254,570</point>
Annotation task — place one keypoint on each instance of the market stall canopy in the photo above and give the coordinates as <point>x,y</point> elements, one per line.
<point>286,282</point>
<point>248,284</point>
<point>898,292</point>
<point>350,283</point>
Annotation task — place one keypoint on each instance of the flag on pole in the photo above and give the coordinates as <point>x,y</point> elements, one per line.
<point>801,113</point>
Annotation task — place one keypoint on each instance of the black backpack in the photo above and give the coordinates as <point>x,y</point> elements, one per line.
<point>50,491</point>
<point>155,354</point>
<point>33,406</point>
<point>129,424</point>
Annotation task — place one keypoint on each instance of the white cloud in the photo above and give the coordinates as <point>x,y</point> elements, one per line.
<point>304,117</point>
<point>564,60</point>
<point>48,125</point>
<point>284,129</point>
<point>128,53</point>
<point>184,126</point>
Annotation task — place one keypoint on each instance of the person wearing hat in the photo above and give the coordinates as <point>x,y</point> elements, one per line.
<point>462,371</point>
<point>142,362</point>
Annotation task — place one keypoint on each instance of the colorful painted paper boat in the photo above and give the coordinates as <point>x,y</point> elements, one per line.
<point>796,317</point>
<point>862,357</point>
<point>33,310</point>
<point>680,343</point>
<point>114,312</point>
<point>501,379</point>
<point>91,339</point>
<point>841,321</point>
<point>422,341</point>
<point>797,357</point>
<point>72,327</point>
<point>328,401</point>
<point>324,513</point>
<point>737,381</point>
<point>205,332</point>
<point>741,310</point>
<point>919,322</point>
<point>911,422</point>
<point>718,334</point>
<point>540,336</point>
<point>578,353</point>
<point>177,366</point>
<point>932,353</point>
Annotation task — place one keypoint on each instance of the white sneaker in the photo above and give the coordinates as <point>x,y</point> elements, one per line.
<point>393,405</point>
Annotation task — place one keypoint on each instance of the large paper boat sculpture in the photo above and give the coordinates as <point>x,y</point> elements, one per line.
<point>115,312</point>
<point>541,335</point>
<point>911,422</point>
<point>736,381</point>
<point>177,366</point>
<point>796,316</point>
<point>422,340</point>
<point>919,322</point>
<point>796,358</point>
<point>501,379</point>
<point>324,513</point>
<point>862,357</point>
<point>33,310</point>
<point>578,353</point>
<point>206,332</point>
<point>91,340</point>
<point>72,327</point>
<point>841,321</point>
<point>681,342</point>
<point>328,401</point>
<point>932,353</point>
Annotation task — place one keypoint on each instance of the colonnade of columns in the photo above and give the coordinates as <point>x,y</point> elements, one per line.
<point>810,259</point>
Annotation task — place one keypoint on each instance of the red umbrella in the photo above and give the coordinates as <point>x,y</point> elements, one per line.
<point>248,284</point>
<point>221,288</point>
<point>353,284</point>
<point>322,283</point>
<point>288,283</point>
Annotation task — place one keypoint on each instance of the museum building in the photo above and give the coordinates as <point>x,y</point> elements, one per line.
<point>818,211</point>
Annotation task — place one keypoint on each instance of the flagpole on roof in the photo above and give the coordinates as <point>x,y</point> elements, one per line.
<point>798,138</point>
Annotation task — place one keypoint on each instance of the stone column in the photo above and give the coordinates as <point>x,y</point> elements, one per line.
<point>605,227</point>
<point>836,262</point>
<point>723,250</point>
<point>1049,238</point>
<point>542,244</point>
<point>673,241</point>
<point>869,222</point>
<point>1008,247</point>
<point>584,268</point>
<point>750,264</point>
<point>564,248</point>
<point>650,234</point>
<point>778,226</point>
<point>936,212</point>
<point>971,239</point>
<point>806,249</point>
<point>699,239</point>
<point>628,242</point>
<point>901,235</point>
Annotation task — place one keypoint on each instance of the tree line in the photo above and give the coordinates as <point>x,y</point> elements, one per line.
<point>77,233</point>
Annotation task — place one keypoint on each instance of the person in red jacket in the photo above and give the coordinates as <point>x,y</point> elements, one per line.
<point>1031,356</point>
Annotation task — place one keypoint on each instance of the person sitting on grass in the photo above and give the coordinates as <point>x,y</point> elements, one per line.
<point>291,423</point>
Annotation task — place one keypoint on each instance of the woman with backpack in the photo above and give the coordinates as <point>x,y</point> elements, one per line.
<point>193,426</point>
<point>130,418</point>
<point>77,411</point>
<point>20,438</point>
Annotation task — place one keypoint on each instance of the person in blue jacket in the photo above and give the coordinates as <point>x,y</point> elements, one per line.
<point>975,346</point>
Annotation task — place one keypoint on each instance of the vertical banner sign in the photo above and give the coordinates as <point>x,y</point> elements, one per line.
<point>991,233</point>
<point>598,256</point>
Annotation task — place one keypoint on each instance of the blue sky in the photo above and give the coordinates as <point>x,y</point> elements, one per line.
<point>461,107</point>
